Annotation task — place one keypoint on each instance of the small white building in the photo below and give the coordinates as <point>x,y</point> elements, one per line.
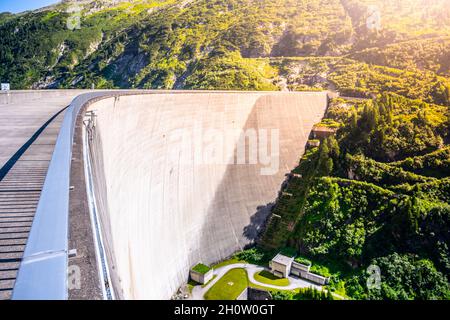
<point>201,273</point>
<point>299,269</point>
<point>280,266</point>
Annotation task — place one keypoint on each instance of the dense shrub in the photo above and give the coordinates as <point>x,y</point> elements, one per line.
<point>403,277</point>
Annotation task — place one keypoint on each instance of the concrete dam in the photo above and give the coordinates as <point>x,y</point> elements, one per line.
<point>160,181</point>
<point>166,208</point>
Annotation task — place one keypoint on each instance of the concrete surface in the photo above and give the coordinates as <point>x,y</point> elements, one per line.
<point>162,209</point>
<point>19,196</point>
<point>22,114</point>
<point>80,227</point>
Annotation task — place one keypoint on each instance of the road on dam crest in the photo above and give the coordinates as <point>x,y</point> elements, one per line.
<point>28,134</point>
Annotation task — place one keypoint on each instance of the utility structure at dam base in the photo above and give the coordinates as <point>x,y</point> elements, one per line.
<point>118,194</point>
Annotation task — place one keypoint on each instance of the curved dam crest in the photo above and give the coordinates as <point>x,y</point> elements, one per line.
<point>173,187</point>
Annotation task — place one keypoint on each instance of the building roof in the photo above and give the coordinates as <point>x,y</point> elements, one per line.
<point>282,259</point>
<point>323,129</point>
<point>201,268</point>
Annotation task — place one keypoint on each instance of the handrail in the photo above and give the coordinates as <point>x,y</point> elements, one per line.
<point>43,270</point>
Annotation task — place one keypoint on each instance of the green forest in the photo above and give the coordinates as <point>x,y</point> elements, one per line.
<point>377,192</point>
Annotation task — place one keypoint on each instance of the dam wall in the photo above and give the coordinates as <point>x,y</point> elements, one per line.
<point>187,178</point>
<point>21,96</point>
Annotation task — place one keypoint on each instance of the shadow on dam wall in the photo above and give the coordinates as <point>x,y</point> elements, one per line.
<point>244,198</point>
<point>160,216</point>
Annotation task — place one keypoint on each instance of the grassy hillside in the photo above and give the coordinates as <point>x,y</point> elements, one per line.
<point>178,43</point>
<point>159,44</point>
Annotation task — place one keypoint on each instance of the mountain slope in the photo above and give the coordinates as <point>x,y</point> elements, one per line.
<point>160,43</point>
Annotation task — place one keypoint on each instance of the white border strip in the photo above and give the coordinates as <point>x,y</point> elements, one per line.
<point>102,262</point>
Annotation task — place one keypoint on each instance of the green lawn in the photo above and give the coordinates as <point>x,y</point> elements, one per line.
<point>268,278</point>
<point>229,287</point>
<point>236,280</point>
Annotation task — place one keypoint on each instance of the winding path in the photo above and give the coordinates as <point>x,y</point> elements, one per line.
<point>198,292</point>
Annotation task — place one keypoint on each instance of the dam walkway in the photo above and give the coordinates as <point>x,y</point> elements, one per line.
<point>28,131</point>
